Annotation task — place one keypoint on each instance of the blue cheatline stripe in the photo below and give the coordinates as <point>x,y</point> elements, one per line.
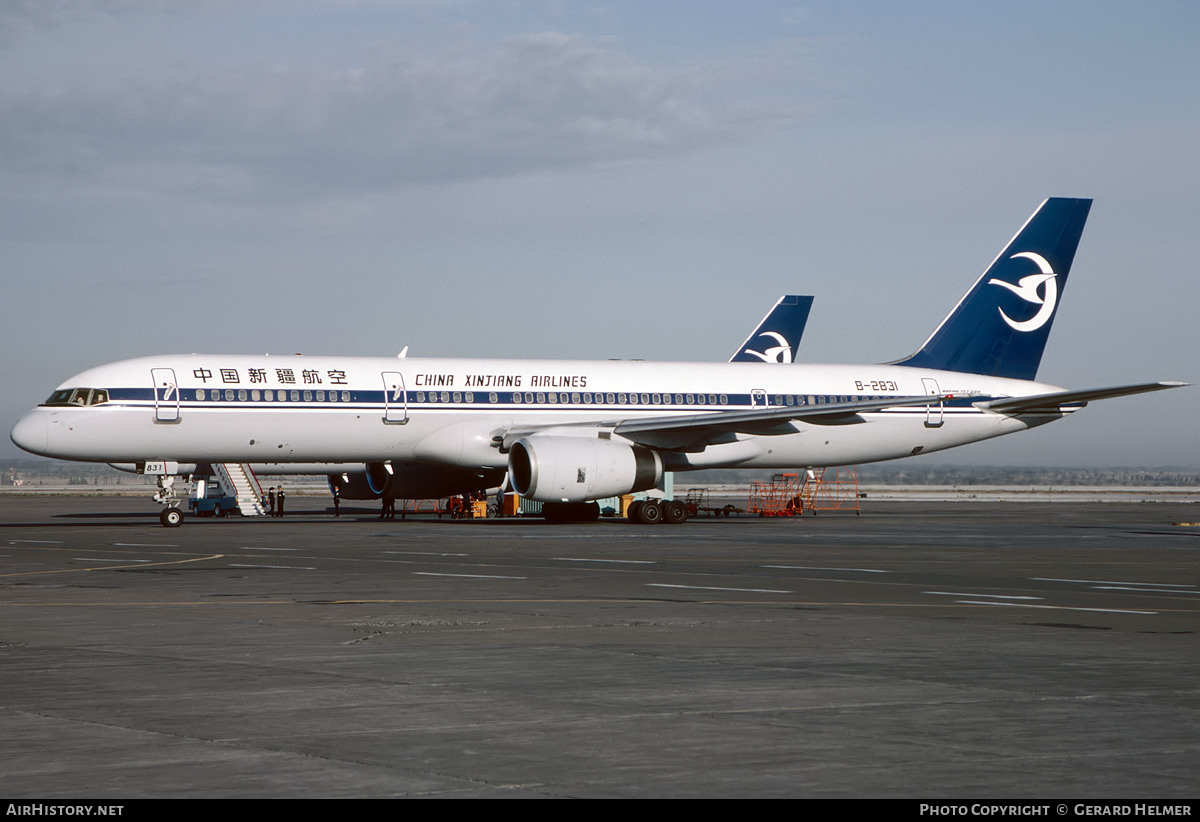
<point>378,400</point>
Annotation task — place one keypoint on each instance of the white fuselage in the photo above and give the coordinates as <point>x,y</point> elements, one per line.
<point>270,409</point>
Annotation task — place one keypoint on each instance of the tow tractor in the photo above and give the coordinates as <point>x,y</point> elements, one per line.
<point>208,500</point>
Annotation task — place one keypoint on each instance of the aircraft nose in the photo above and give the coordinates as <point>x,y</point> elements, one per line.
<point>31,433</point>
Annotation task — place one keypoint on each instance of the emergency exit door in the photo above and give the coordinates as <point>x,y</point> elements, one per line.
<point>395,403</point>
<point>166,395</point>
<point>933,412</point>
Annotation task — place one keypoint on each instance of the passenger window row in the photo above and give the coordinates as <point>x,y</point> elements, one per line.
<point>270,395</point>
<point>80,397</point>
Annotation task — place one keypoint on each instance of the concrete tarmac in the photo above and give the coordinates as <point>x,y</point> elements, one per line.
<point>920,650</point>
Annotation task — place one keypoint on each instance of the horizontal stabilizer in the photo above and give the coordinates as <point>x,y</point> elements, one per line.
<point>1052,402</point>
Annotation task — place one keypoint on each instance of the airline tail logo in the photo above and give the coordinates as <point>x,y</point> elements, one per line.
<point>777,353</point>
<point>1027,289</point>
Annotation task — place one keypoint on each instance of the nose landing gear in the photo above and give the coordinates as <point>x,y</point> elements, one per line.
<point>171,516</point>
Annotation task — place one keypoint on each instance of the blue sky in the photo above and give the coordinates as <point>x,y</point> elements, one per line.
<point>607,179</point>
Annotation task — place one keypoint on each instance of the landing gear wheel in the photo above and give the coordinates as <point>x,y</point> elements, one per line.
<point>633,512</point>
<point>171,517</point>
<point>674,512</point>
<point>651,512</point>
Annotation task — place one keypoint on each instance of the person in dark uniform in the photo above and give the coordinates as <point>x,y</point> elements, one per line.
<point>337,498</point>
<point>271,501</point>
<point>279,502</point>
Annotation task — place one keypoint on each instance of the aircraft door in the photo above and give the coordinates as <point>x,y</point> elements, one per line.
<point>933,413</point>
<point>166,395</point>
<point>395,402</point>
<point>758,398</point>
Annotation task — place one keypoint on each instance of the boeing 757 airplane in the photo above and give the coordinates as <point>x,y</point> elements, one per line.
<point>569,432</point>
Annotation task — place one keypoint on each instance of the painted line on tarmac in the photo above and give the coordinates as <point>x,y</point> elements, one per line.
<point>715,588</point>
<point>990,596</point>
<point>105,559</point>
<point>1147,590</point>
<point>1056,607</point>
<point>821,568</point>
<point>115,567</point>
<point>464,576</point>
<point>614,561</point>
<point>1115,582</point>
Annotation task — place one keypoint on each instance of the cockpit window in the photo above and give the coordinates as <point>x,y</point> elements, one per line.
<point>78,397</point>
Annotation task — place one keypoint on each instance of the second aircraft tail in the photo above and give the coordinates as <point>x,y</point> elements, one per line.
<point>779,333</point>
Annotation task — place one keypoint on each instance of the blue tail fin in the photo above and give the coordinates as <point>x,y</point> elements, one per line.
<point>778,335</point>
<point>1000,327</point>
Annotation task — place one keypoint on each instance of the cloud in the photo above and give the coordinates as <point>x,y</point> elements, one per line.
<point>23,18</point>
<point>524,104</point>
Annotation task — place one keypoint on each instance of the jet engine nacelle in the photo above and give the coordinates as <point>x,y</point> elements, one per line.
<point>369,483</point>
<point>578,469</point>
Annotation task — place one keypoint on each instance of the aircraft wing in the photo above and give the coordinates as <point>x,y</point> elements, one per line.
<point>692,430</point>
<point>1053,402</point>
<point>829,414</point>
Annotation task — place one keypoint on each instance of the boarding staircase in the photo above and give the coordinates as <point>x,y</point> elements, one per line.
<point>237,480</point>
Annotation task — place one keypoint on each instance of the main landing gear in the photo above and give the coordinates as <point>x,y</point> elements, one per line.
<point>643,511</point>
<point>654,511</point>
